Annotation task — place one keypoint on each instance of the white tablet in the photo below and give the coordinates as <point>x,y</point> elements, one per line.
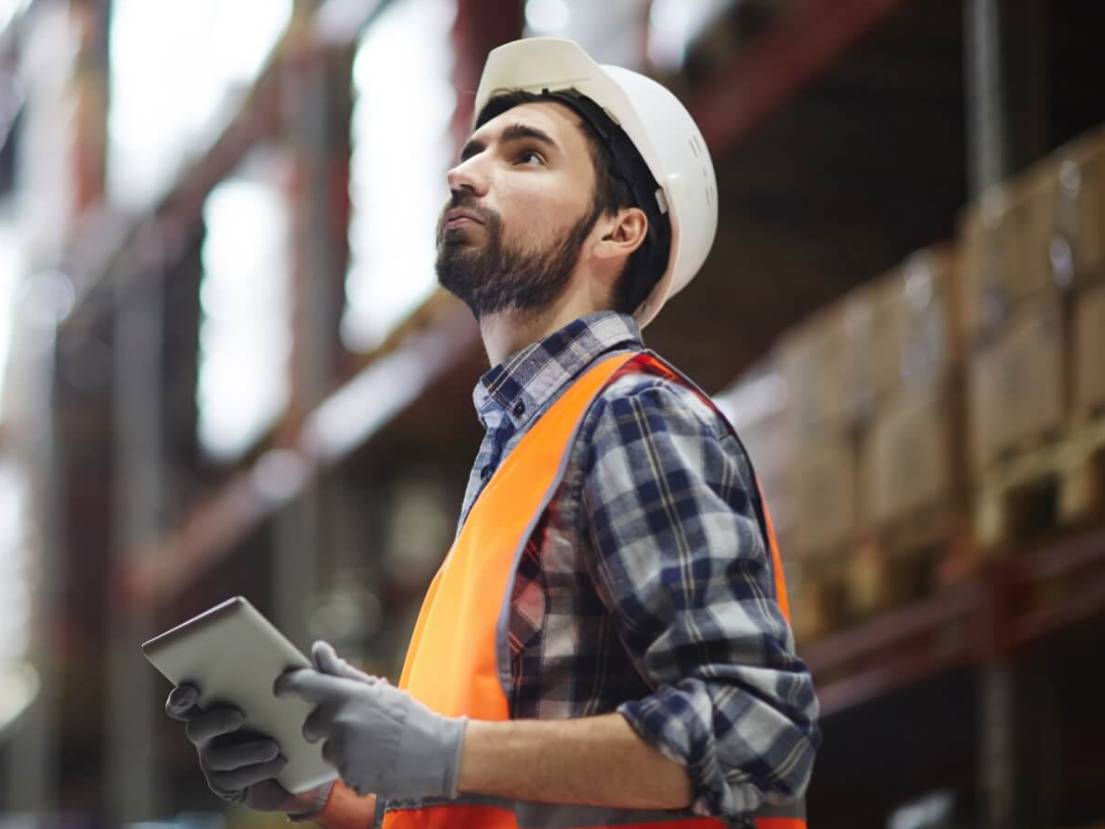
<point>233,654</point>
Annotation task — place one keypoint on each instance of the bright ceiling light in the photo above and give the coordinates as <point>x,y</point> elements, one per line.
<point>547,16</point>
<point>392,249</point>
<point>245,337</point>
<point>8,10</point>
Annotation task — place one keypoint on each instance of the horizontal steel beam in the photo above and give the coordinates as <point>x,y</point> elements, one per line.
<point>339,425</point>
<point>777,65</point>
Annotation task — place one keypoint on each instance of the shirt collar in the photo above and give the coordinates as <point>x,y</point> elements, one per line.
<point>521,385</point>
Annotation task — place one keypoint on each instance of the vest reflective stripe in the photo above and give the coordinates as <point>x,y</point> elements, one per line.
<point>526,815</point>
<point>788,816</point>
<point>458,662</point>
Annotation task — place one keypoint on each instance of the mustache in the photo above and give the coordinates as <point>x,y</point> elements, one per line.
<point>463,199</point>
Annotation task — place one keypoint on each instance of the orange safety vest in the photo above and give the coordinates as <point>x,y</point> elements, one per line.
<point>458,662</point>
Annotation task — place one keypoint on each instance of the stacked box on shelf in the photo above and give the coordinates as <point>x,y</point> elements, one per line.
<point>756,404</point>
<point>822,370</point>
<point>1067,241</point>
<point>855,424</point>
<point>1089,356</point>
<point>767,416</point>
<point>824,365</point>
<point>1034,252</point>
<point>913,457</point>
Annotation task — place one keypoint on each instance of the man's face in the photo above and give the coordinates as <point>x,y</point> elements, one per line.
<point>521,207</point>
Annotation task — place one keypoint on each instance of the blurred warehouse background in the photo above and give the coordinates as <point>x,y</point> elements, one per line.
<point>227,368</point>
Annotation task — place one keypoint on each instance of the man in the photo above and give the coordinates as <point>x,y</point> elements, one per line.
<point>606,642</point>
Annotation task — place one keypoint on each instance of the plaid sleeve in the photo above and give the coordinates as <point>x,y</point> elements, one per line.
<point>681,565</point>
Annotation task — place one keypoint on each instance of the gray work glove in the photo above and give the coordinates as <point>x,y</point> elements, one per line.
<point>239,766</point>
<point>379,738</point>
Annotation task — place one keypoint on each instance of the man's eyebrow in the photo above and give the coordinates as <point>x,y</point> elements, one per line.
<point>514,132</point>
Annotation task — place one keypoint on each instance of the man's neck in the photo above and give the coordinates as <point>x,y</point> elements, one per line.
<point>508,332</point>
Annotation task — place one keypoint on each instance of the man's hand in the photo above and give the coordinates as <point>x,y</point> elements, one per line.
<point>380,739</point>
<point>239,767</point>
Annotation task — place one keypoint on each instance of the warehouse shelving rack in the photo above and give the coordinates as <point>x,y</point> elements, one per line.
<point>961,652</point>
<point>803,43</point>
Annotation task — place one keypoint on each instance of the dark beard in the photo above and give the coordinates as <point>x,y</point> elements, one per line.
<point>492,278</point>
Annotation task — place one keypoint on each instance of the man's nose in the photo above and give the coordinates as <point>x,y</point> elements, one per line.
<point>468,175</point>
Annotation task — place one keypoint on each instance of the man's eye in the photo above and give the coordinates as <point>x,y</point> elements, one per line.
<point>529,158</point>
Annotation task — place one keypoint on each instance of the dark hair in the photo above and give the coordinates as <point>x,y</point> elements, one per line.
<point>612,192</point>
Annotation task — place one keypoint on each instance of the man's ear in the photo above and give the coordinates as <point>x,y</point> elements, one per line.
<point>622,233</point>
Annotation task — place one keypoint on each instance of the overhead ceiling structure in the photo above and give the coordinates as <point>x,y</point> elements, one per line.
<point>838,138</point>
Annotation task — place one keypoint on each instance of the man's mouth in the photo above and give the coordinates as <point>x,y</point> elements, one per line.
<point>460,221</point>
<point>460,218</point>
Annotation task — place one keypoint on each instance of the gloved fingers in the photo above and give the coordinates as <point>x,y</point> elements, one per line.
<point>324,656</point>
<point>238,779</point>
<point>181,701</point>
<point>270,796</point>
<point>204,727</point>
<point>228,756</point>
<point>312,686</point>
<point>264,795</point>
<point>319,723</point>
<point>332,752</point>
<point>327,661</point>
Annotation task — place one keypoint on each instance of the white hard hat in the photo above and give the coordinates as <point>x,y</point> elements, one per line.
<point>653,119</point>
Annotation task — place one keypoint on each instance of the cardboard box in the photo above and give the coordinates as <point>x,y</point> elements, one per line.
<point>888,324</point>
<point>916,340</point>
<point>818,600</point>
<point>1088,361</point>
<point>1065,215</point>
<point>996,278</point>
<point>825,365</point>
<point>854,335</point>
<point>756,405</point>
<point>813,370</point>
<point>913,460</point>
<point>932,339</point>
<point>824,483</point>
<point>1016,385</point>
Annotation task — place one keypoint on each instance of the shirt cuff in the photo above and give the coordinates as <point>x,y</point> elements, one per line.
<point>667,721</point>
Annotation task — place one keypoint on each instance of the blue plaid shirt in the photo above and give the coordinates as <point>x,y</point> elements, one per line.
<point>646,587</point>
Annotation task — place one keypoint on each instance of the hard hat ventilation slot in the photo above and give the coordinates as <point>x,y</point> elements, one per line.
<point>661,201</point>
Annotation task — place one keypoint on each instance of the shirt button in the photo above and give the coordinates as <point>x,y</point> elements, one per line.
<point>519,409</point>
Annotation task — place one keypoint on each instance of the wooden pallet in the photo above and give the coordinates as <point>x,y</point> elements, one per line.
<point>1053,485</point>
<point>911,558</point>
<point>819,598</point>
